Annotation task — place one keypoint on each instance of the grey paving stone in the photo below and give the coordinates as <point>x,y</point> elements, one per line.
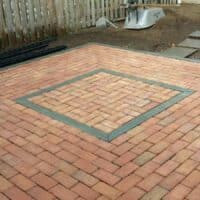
<point>179,52</point>
<point>195,34</point>
<point>192,43</point>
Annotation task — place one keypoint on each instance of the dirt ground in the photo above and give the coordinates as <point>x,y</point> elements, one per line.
<point>169,31</point>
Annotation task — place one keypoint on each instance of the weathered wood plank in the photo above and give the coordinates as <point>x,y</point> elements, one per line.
<point>107,8</point>
<point>93,12</point>
<point>72,14</point>
<point>97,7</point>
<point>17,22</point>
<point>83,13</point>
<point>52,18</point>
<point>44,13</point>
<point>88,17</point>
<point>38,16</point>
<point>3,36</point>
<point>103,7</point>
<point>23,18</point>
<point>77,15</point>
<point>31,21</point>
<point>111,9</point>
<point>9,22</point>
<point>59,4</point>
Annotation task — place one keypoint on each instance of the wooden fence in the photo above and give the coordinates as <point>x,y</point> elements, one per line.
<point>23,21</point>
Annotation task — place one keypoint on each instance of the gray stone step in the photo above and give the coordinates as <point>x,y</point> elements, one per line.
<point>179,52</point>
<point>191,43</point>
<point>195,34</point>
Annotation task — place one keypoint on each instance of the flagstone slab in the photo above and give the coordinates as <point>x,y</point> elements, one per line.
<point>195,34</point>
<point>179,52</point>
<point>192,43</point>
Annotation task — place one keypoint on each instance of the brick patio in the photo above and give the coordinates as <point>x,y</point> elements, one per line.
<point>99,122</point>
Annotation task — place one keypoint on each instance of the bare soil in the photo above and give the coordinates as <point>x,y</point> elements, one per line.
<point>179,22</point>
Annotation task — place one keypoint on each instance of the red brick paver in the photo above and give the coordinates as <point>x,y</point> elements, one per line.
<point>42,158</point>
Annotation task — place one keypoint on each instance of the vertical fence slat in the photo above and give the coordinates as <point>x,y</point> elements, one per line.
<point>31,19</point>
<point>38,17</point>
<point>59,4</point>
<point>23,15</point>
<point>111,9</point>
<point>107,8</point>
<point>2,27</point>
<point>52,18</point>
<point>116,4</point>
<point>9,22</point>
<point>103,7</point>
<point>17,22</point>
<point>93,11</point>
<point>44,13</point>
<point>77,15</point>
<point>71,14</point>
<point>88,17</point>
<point>66,14</point>
<point>83,13</point>
<point>97,6</point>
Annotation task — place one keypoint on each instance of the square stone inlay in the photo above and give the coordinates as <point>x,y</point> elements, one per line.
<point>105,103</point>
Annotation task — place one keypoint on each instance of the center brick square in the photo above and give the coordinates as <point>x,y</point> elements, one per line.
<point>104,103</point>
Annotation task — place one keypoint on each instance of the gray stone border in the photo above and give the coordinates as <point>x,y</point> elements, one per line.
<point>183,93</point>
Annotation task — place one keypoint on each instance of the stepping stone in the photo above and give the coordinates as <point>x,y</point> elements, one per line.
<point>195,34</point>
<point>191,43</point>
<point>179,52</point>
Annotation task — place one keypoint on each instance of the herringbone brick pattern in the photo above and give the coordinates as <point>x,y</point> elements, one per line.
<point>104,101</point>
<point>44,159</point>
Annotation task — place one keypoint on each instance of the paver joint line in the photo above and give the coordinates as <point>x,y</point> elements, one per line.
<point>183,93</point>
